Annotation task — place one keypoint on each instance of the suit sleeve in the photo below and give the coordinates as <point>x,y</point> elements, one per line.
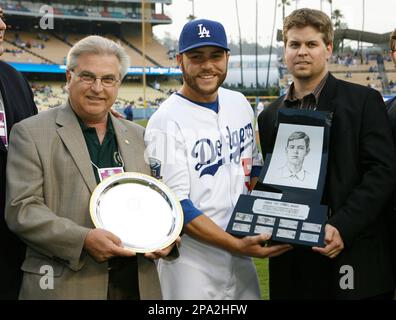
<point>392,118</point>
<point>267,130</point>
<point>31,97</point>
<point>376,163</point>
<point>26,212</point>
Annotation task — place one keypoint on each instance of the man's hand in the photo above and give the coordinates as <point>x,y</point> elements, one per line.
<point>164,252</point>
<point>333,241</point>
<point>255,246</point>
<point>103,245</point>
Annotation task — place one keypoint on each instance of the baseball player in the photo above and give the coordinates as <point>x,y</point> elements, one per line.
<point>201,142</point>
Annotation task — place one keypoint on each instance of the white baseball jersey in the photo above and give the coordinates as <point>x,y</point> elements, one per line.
<point>202,155</point>
<point>206,157</point>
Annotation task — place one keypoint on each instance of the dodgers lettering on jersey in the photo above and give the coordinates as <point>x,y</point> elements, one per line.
<point>204,156</point>
<point>210,154</point>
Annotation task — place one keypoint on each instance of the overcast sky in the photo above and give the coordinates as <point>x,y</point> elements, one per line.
<point>380,15</point>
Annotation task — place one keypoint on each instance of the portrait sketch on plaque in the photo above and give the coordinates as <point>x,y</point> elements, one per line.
<point>296,157</point>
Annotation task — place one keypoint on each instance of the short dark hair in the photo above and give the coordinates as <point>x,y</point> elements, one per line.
<point>309,17</point>
<point>299,135</point>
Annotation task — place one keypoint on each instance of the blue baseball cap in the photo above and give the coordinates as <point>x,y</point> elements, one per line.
<point>201,33</point>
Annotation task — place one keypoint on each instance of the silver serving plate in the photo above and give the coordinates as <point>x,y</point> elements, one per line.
<point>142,211</point>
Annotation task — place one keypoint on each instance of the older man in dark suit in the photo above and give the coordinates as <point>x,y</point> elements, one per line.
<point>355,262</point>
<point>16,104</point>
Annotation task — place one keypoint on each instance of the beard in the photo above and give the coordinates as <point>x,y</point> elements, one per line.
<point>191,81</point>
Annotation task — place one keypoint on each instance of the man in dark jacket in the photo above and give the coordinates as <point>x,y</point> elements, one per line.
<point>16,104</point>
<point>391,107</point>
<point>391,103</point>
<point>361,173</point>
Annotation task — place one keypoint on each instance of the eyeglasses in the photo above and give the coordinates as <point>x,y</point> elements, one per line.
<point>90,79</point>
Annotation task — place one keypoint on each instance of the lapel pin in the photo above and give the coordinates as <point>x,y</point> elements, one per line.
<point>126,141</point>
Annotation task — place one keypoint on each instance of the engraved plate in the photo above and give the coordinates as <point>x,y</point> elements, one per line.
<point>263,229</point>
<point>285,223</point>
<point>243,217</point>
<point>309,237</point>
<point>241,227</point>
<point>266,194</point>
<point>266,220</point>
<point>142,211</point>
<point>313,227</point>
<point>281,209</point>
<point>288,234</point>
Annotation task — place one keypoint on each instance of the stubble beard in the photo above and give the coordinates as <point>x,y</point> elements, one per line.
<point>192,83</point>
<point>302,75</point>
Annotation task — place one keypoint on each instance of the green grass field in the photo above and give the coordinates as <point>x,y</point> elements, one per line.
<point>262,271</point>
<point>261,264</point>
<point>142,122</point>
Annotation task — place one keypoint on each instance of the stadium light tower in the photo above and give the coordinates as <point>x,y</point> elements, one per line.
<point>256,46</point>
<point>270,50</point>
<point>363,17</point>
<point>240,42</point>
<point>192,15</point>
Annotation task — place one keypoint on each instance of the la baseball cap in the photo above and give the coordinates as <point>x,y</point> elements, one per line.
<point>201,33</point>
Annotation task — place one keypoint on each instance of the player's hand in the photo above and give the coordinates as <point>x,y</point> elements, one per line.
<point>164,252</point>
<point>333,241</point>
<point>103,245</point>
<point>256,246</point>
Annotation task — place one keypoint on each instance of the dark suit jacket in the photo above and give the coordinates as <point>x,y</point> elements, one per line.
<point>360,180</point>
<point>391,107</point>
<point>18,105</point>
